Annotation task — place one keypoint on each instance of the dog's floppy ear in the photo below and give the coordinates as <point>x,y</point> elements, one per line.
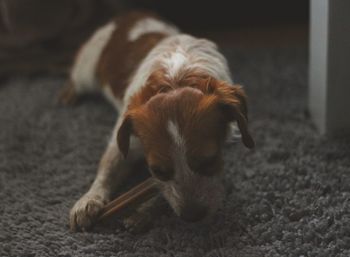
<point>234,113</point>
<point>124,134</point>
<point>234,104</point>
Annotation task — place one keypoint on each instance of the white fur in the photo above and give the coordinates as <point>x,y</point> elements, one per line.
<point>234,133</point>
<point>175,62</point>
<point>179,148</point>
<point>180,52</point>
<point>150,25</point>
<point>174,131</point>
<point>83,73</point>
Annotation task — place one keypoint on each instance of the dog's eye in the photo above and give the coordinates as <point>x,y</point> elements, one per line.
<point>161,174</point>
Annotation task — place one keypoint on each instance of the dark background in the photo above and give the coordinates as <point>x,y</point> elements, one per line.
<point>227,15</point>
<point>39,36</point>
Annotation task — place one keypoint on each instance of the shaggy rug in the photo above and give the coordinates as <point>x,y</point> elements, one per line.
<point>288,197</point>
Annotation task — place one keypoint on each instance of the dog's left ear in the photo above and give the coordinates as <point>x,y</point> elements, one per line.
<point>234,104</point>
<point>124,134</point>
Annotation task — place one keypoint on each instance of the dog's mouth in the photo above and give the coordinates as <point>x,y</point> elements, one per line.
<point>188,209</point>
<point>193,213</point>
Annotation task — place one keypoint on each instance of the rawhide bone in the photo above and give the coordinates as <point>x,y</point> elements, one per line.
<point>142,191</point>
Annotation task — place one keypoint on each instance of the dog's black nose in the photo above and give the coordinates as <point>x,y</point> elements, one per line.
<point>193,213</point>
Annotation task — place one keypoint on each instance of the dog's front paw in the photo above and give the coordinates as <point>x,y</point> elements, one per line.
<point>138,222</point>
<point>85,212</point>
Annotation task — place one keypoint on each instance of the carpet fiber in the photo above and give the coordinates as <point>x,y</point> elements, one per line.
<point>288,197</point>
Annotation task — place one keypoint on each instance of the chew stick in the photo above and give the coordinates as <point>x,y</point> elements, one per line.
<point>146,188</point>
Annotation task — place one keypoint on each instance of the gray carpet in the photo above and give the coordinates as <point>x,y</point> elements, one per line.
<point>289,197</point>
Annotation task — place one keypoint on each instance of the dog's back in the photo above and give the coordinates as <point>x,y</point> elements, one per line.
<point>108,59</point>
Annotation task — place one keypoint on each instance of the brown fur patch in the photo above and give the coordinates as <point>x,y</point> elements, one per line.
<point>120,57</point>
<point>200,105</point>
<point>199,119</point>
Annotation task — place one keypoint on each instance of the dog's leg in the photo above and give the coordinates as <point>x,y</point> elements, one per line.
<point>83,77</point>
<point>75,87</point>
<point>112,171</point>
<point>68,94</point>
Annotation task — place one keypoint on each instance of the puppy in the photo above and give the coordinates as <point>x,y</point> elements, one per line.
<point>176,101</point>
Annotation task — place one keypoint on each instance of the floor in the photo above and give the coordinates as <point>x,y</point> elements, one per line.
<point>288,197</point>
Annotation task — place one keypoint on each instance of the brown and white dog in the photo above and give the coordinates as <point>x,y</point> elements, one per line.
<point>176,102</point>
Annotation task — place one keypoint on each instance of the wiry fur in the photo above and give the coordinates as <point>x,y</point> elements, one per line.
<point>183,189</point>
<point>176,101</point>
<point>180,53</point>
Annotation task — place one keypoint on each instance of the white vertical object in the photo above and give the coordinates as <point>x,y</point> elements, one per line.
<point>329,72</point>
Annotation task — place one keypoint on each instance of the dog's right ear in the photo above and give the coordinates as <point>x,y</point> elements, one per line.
<point>233,103</point>
<point>124,134</point>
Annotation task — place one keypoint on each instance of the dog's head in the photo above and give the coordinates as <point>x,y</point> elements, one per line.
<point>182,132</point>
